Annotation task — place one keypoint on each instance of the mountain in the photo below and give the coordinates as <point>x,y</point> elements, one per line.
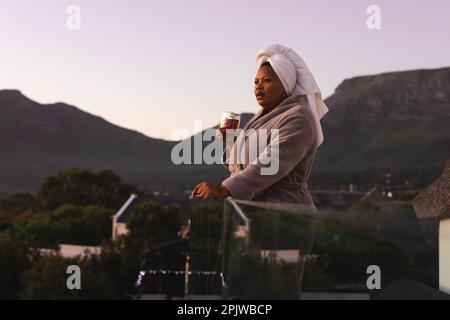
<point>397,122</point>
<point>391,122</point>
<point>39,140</point>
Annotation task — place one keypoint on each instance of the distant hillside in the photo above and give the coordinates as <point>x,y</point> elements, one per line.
<point>37,140</point>
<point>392,122</point>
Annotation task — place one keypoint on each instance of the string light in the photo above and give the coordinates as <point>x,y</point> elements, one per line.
<point>143,273</point>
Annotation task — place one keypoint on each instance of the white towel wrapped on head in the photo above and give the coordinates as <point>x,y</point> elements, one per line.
<point>296,79</point>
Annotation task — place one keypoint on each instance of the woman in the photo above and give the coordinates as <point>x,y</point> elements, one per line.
<point>291,102</point>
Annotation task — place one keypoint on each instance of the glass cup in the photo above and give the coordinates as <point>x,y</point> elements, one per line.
<point>229,120</point>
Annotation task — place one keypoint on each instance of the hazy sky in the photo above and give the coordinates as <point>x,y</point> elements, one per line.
<point>155,66</point>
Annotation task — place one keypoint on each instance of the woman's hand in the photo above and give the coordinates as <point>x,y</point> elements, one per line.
<point>206,191</point>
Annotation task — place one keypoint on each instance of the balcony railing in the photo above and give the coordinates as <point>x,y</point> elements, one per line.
<point>256,250</point>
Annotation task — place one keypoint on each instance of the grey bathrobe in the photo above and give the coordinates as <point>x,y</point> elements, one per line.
<point>297,149</point>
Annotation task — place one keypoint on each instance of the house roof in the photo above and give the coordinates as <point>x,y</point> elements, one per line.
<point>375,195</point>
<point>333,198</point>
<point>434,201</point>
<point>390,205</point>
<point>122,215</point>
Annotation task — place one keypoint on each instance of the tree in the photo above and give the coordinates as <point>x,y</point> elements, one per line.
<point>83,187</point>
<point>13,260</point>
<point>18,203</point>
<point>151,224</point>
<point>47,279</point>
<point>6,219</point>
<point>88,225</point>
<point>154,223</point>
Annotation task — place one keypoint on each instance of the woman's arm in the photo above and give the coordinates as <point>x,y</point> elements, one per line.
<point>206,191</point>
<point>296,138</point>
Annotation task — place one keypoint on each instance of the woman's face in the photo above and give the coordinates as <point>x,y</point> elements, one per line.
<point>269,90</point>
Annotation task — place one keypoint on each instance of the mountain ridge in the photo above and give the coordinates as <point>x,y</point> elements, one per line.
<point>385,122</point>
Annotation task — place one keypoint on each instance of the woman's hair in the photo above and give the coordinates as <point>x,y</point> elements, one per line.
<point>266,64</point>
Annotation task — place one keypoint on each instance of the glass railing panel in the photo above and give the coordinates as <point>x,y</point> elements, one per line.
<point>251,250</point>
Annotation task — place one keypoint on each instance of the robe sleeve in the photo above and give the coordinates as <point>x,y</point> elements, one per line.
<point>296,140</point>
